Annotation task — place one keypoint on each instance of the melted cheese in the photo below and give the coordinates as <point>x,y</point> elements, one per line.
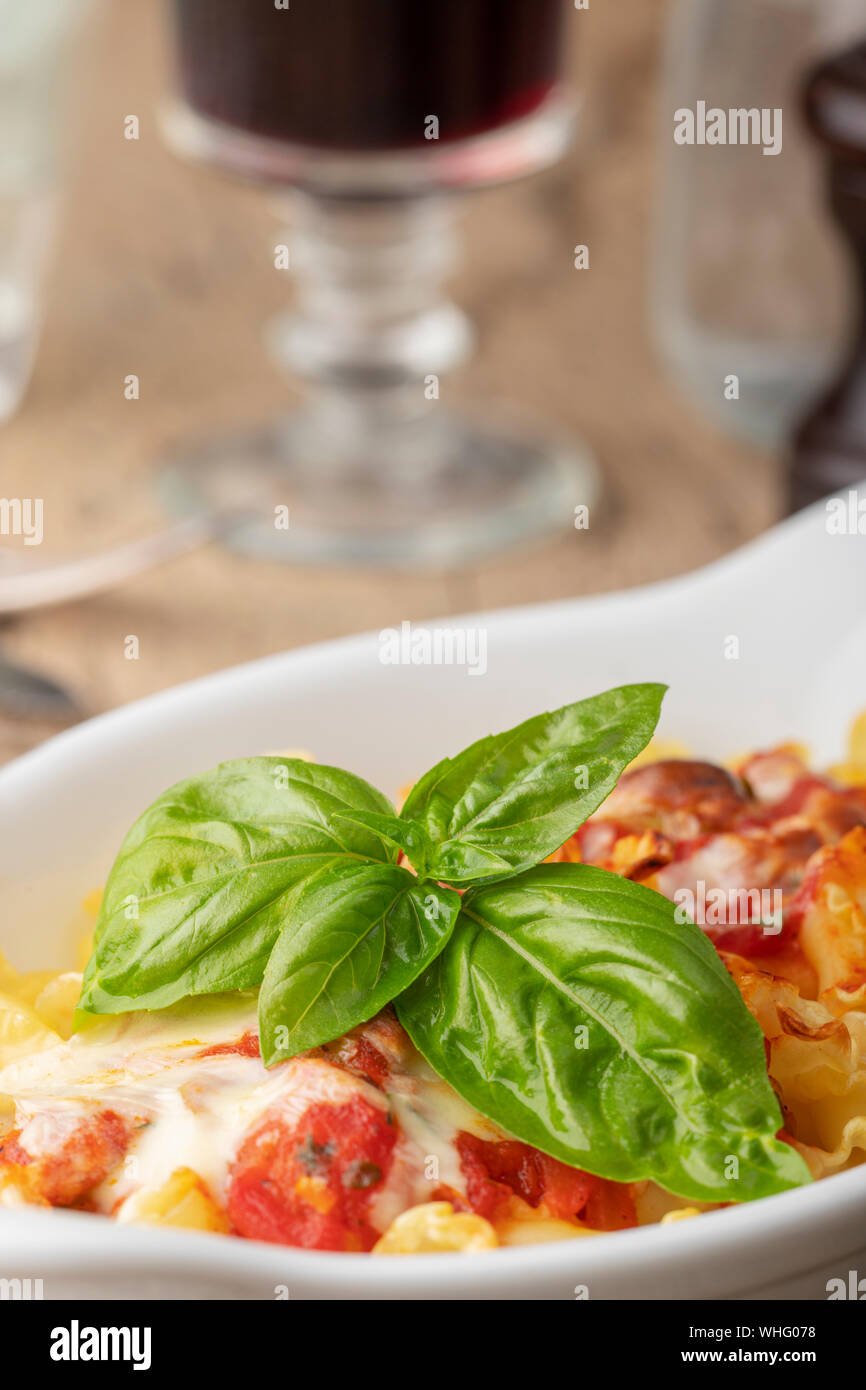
<point>193,1111</point>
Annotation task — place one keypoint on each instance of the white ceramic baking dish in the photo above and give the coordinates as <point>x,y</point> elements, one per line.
<point>794,602</point>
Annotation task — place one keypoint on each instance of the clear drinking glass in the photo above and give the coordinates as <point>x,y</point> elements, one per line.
<point>367,117</point>
<point>34,38</point>
<point>748,277</point>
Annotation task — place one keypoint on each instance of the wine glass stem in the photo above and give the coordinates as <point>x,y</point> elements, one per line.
<point>372,333</point>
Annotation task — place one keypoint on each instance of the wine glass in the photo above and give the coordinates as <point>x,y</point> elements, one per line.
<point>37,69</point>
<point>748,282</point>
<point>369,116</point>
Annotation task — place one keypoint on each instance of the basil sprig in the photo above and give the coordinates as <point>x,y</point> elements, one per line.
<point>564,1002</point>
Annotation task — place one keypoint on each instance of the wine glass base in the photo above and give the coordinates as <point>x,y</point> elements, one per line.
<point>488,489</point>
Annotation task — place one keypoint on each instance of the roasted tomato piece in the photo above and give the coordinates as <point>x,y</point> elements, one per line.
<point>771,776</point>
<point>676,796</point>
<point>749,940</point>
<point>309,1182</point>
<point>835,812</point>
<point>360,1057</point>
<point>81,1159</point>
<point>616,847</point>
<point>736,886</point>
<point>596,840</point>
<point>497,1169</point>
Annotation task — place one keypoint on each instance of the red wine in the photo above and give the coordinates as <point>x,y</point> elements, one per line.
<point>366,74</point>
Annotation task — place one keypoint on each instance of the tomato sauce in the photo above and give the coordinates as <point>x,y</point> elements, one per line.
<point>247,1046</point>
<point>497,1169</point>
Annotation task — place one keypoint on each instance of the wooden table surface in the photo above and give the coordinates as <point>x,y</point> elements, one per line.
<point>167,272</point>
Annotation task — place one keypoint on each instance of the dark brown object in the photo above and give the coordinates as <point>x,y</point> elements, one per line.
<point>829,447</point>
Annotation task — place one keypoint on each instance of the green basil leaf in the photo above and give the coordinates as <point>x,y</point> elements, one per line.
<point>197,895</point>
<point>406,835</point>
<point>570,1007</point>
<point>355,935</point>
<point>511,799</point>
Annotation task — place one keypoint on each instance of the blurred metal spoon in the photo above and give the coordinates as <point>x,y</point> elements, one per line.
<point>26,695</point>
<point>24,586</point>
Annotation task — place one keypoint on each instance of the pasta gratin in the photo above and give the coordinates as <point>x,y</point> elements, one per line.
<point>168,1115</point>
